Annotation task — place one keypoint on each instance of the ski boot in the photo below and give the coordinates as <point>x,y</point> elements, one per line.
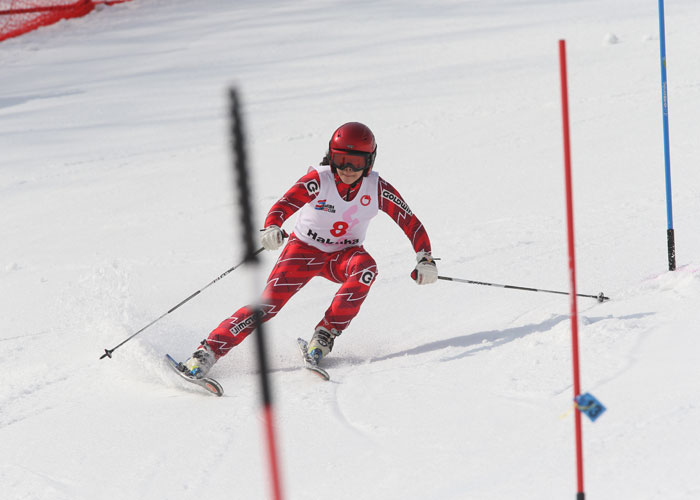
<point>201,361</point>
<point>321,343</point>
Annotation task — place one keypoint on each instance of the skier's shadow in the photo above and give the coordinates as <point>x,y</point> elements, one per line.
<point>479,341</point>
<point>482,341</point>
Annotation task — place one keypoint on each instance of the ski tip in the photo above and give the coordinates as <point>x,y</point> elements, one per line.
<point>323,374</point>
<point>213,387</point>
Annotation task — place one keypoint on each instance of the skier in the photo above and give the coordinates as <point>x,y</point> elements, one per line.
<point>337,200</point>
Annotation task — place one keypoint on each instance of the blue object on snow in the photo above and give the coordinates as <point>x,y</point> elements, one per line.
<point>589,405</point>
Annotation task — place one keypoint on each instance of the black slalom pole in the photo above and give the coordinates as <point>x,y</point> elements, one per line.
<point>600,297</point>
<point>108,352</point>
<point>244,200</point>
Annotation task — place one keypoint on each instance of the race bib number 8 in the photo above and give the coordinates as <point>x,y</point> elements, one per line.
<point>339,228</point>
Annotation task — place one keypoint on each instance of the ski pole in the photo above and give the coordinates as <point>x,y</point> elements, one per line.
<point>108,352</point>
<point>601,297</point>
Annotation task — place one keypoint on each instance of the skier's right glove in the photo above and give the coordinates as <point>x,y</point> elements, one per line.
<point>272,238</point>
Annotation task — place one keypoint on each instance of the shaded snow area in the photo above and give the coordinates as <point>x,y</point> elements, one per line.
<point>116,203</point>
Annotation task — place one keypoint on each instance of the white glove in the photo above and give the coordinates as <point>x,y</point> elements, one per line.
<point>272,238</point>
<point>425,272</point>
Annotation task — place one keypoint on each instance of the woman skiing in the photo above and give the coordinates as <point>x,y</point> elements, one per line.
<point>336,202</point>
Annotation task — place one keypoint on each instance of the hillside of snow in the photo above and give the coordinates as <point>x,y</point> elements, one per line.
<point>117,202</point>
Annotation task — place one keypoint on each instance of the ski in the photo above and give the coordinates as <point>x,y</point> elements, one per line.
<point>309,362</point>
<point>209,384</point>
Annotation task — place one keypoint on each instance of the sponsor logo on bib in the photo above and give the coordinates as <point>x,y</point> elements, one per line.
<point>325,207</point>
<point>328,241</point>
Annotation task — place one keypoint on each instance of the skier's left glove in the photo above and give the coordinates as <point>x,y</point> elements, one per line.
<point>425,272</point>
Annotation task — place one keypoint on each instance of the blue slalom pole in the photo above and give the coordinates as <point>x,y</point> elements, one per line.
<point>670,239</point>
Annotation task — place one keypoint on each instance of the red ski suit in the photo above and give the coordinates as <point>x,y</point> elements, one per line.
<point>352,267</point>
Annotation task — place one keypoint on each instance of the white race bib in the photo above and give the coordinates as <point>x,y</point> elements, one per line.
<point>330,223</point>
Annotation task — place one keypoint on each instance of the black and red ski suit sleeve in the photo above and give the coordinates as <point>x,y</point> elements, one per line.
<point>391,202</point>
<point>301,193</point>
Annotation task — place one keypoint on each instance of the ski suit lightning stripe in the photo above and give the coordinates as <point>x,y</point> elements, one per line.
<point>351,267</point>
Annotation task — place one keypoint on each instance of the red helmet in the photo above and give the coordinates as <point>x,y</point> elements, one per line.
<point>352,145</point>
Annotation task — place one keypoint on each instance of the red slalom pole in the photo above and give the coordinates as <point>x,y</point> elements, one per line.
<point>247,218</point>
<point>269,417</point>
<point>580,495</point>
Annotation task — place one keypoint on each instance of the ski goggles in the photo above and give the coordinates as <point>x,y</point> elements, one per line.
<point>357,161</point>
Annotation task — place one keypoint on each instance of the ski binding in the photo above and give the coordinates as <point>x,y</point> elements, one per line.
<point>309,362</point>
<point>207,383</point>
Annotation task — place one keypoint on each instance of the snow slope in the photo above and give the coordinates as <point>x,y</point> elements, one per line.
<point>116,203</point>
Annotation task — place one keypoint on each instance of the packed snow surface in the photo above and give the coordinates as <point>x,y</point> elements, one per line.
<point>117,202</point>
